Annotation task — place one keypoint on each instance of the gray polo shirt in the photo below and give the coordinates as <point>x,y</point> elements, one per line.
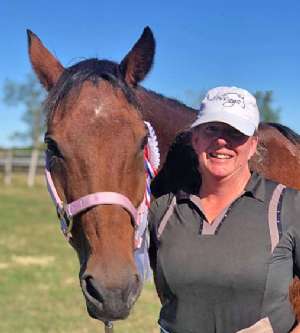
<point>223,278</point>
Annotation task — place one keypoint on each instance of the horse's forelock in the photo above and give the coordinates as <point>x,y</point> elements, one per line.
<point>92,70</point>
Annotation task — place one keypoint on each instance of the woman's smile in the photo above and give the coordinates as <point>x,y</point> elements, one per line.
<point>219,156</point>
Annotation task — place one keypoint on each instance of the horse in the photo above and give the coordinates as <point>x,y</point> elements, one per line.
<point>95,139</point>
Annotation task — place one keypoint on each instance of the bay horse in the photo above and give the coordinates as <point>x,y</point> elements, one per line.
<point>95,140</point>
<point>95,143</point>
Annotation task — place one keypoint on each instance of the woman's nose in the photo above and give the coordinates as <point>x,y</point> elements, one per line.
<point>221,140</point>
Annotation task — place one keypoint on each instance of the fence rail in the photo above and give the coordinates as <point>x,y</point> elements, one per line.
<point>30,162</point>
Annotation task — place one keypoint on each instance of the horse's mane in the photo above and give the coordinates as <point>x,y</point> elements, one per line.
<point>284,130</point>
<point>172,102</point>
<point>180,170</point>
<point>87,70</point>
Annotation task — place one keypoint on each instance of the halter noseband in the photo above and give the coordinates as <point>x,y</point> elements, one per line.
<point>66,212</point>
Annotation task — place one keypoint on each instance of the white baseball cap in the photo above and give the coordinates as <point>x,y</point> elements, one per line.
<point>230,105</point>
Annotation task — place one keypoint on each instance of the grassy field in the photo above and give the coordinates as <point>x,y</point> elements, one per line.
<point>39,288</point>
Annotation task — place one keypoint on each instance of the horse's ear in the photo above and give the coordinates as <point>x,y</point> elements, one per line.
<point>46,66</point>
<point>137,63</point>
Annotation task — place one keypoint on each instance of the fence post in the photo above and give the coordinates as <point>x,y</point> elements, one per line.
<point>32,167</point>
<point>8,167</point>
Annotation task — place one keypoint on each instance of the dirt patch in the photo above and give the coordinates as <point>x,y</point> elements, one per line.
<point>31,260</point>
<point>4,265</point>
<point>71,281</point>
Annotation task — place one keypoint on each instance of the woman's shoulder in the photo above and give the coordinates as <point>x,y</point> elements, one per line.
<point>281,199</point>
<point>158,208</point>
<point>289,204</point>
<point>161,202</point>
<point>292,196</point>
<point>271,186</point>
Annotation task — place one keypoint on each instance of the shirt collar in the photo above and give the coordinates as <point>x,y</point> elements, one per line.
<point>256,188</point>
<point>182,195</point>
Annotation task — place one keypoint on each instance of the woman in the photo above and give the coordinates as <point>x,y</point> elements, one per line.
<point>219,267</point>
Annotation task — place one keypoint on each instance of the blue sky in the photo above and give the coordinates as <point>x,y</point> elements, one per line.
<point>200,44</point>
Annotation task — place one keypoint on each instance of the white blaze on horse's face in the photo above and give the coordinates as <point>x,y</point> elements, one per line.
<point>98,110</point>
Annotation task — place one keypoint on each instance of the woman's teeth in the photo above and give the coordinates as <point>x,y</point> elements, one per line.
<point>221,156</point>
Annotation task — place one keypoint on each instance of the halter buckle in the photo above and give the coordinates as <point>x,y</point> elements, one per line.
<point>66,220</point>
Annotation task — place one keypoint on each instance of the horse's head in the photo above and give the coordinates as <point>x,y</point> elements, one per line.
<point>95,138</point>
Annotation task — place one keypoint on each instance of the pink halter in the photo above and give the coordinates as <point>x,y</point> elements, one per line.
<point>66,212</point>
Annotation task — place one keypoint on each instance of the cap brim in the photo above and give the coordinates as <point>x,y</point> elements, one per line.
<point>239,123</point>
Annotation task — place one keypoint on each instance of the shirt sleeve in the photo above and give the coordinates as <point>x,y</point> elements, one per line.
<point>293,213</point>
<point>155,214</point>
<point>284,264</point>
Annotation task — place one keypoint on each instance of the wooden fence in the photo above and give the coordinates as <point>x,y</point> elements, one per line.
<point>29,162</point>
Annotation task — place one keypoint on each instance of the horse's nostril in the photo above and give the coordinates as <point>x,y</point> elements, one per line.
<point>92,289</point>
<point>132,290</point>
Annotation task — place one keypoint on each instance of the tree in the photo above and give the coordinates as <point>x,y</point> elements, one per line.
<point>30,95</point>
<point>194,98</point>
<point>264,101</point>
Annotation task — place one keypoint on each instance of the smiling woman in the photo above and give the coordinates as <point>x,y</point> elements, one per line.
<point>222,151</point>
<point>235,239</point>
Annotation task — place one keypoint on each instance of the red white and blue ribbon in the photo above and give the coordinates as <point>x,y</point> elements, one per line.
<point>152,161</point>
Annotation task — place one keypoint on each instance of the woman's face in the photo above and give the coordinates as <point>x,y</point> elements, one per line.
<point>222,150</point>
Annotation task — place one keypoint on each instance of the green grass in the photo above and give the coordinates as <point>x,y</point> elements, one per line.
<point>39,288</point>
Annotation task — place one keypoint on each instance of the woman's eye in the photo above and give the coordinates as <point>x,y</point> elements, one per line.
<point>235,134</point>
<point>212,129</point>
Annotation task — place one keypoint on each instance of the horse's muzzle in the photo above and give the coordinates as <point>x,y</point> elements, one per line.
<point>110,303</point>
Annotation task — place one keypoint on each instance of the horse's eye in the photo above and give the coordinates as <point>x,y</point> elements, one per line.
<point>52,147</point>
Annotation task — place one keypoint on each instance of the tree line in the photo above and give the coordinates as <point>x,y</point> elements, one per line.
<point>30,95</point>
